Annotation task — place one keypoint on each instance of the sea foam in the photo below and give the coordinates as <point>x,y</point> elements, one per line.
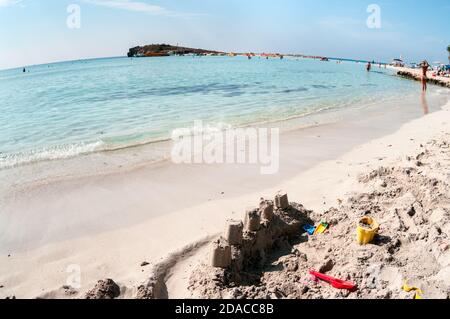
<point>51,153</point>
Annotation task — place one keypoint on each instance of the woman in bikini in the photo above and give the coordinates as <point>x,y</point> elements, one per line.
<point>424,65</point>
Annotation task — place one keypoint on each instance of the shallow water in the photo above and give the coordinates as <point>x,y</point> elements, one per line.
<point>66,109</point>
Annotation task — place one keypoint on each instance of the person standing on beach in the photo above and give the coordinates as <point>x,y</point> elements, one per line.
<point>424,65</point>
<point>369,66</point>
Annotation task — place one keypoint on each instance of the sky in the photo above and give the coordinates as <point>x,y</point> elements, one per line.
<point>36,31</point>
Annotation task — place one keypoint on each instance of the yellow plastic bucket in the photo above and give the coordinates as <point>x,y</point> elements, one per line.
<point>367,234</point>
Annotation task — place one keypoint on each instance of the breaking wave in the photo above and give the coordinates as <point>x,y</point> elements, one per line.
<point>51,153</point>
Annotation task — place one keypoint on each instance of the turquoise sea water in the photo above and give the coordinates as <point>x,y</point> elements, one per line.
<point>65,109</point>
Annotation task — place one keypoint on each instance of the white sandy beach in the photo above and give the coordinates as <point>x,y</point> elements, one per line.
<point>213,157</point>
<point>110,224</point>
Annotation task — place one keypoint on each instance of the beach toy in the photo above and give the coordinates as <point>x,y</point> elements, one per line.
<point>321,228</point>
<point>367,229</point>
<point>310,229</point>
<point>336,283</point>
<point>408,288</point>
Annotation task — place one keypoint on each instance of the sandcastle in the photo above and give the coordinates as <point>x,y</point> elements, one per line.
<point>221,254</point>
<point>243,246</point>
<point>247,243</point>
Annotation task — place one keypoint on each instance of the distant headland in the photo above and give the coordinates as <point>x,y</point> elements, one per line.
<point>154,50</point>
<point>162,50</point>
<point>165,50</point>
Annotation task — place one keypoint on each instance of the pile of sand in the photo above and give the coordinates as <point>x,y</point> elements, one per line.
<point>411,202</point>
<point>104,289</point>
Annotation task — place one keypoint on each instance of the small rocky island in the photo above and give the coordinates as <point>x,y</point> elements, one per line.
<point>155,50</point>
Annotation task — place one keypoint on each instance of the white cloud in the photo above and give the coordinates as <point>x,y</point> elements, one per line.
<point>130,6</point>
<point>7,3</point>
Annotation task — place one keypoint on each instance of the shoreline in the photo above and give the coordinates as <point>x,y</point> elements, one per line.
<point>128,158</point>
<point>316,184</point>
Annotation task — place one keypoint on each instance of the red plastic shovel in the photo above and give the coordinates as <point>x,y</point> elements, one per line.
<point>336,283</point>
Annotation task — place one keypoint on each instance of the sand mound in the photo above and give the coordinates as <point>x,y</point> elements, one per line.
<point>104,289</point>
<point>410,201</point>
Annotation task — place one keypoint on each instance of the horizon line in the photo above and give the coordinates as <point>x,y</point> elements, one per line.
<point>125,56</point>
